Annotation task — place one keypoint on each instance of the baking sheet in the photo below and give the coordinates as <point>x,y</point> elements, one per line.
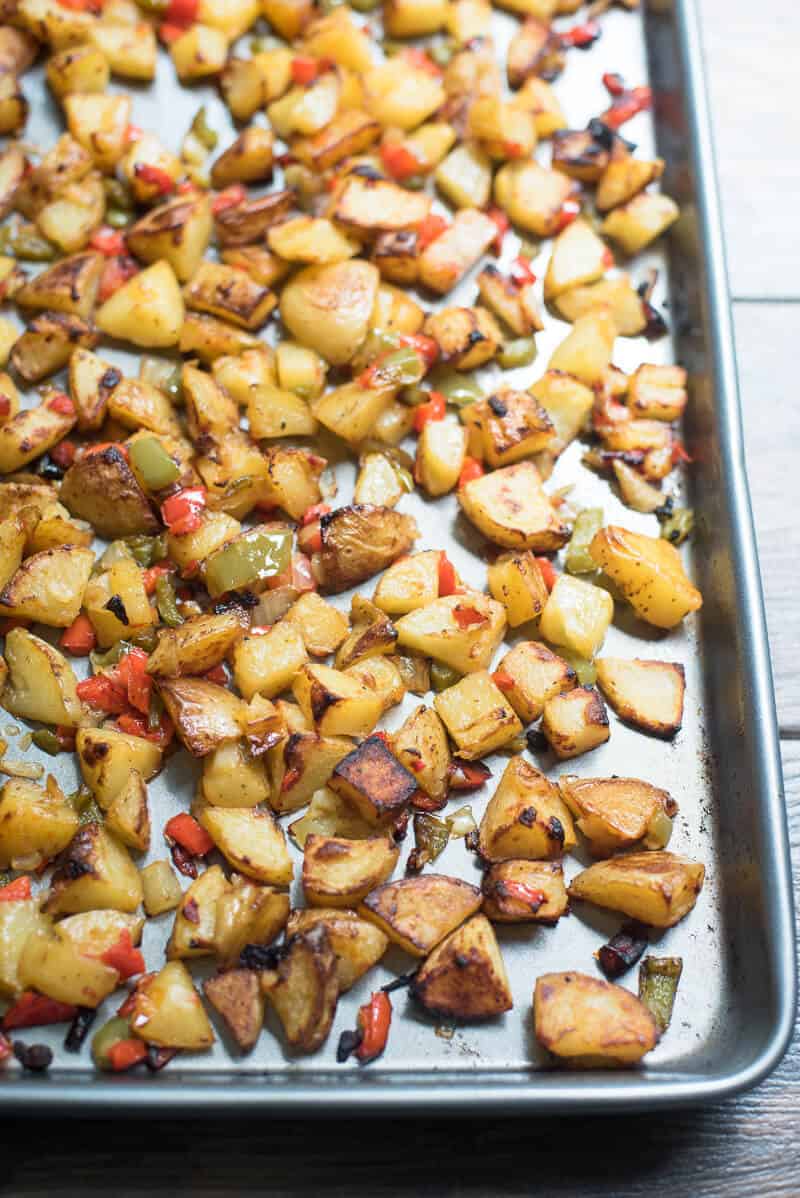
<point>734,1008</point>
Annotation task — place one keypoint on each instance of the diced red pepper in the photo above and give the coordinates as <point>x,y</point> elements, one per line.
<point>132,671</point>
<point>5,406</point>
<point>190,835</point>
<point>679,453</point>
<point>429,229</point>
<point>290,778</point>
<point>182,512</point>
<point>305,69</point>
<point>116,272</point>
<point>155,177</point>
<point>471,469</point>
<point>36,1010</point>
<point>63,454</point>
<point>502,224</point>
<point>547,571</point>
<point>104,692</point>
<point>503,681</point>
<point>182,12</point>
<point>426,346</point>
<point>448,580</point>
<point>217,675</point>
<point>10,624</point>
<point>521,273</point>
<point>581,36</point>
<point>108,241</point>
<point>6,1048</point>
<point>467,617</point>
<point>133,134</point>
<point>80,638</point>
<point>170,33</point>
<point>528,895</point>
<point>229,198</point>
<point>137,725</point>
<point>434,409</point>
<point>608,259</point>
<point>61,403</point>
<point>467,775</point>
<point>151,575</point>
<point>99,446</point>
<point>124,956</point>
<point>125,1054</point>
<point>513,149</point>
<point>12,892</point>
<point>374,1020</point>
<point>399,162</point>
<point>312,537</point>
<point>91,6</point>
<point>613,83</point>
<point>419,58</point>
<point>627,105</point>
<point>314,513</point>
<point>570,210</point>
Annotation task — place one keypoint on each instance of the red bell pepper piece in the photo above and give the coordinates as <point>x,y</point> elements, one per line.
<point>137,725</point>
<point>92,6</point>
<point>108,241</point>
<point>12,892</point>
<point>182,512</point>
<point>61,403</point>
<point>80,638</point>
<point>185,829</point>
<point>434,409</point>
<point>132,671</point>
<point>521,273</point>
<point>63,454</point>
<point>170,33</point>
<point>124,956</point>
<point>419,58</point>
<point>182,12</point>
<point>229,198</point>
<point>471,469</point>
<point>679,453</point>
<point>467,617</point>
<point>151,575</point>
<point>627,105</point>
<point>116,272</point>
<point>36,1010</point>
<point>305,69</point>
<point>399,162</point>
<point>314,513</point>
<point>104,692</point>
<point>570,210</point>
<point>217,675</point>
<point>447,575</point>
<point>125,1054</point>
<point>467,775</point>
<point>374,1020</point>
<point>5,402</point>
<point>155,177</point>
<point>581,36</point>
<point>547,571</point>
<point>429,229</point>
<point>6,1048</point>
<point>426,346</point>
<point>528,895</point>
<point>502,224</point>
<point>503,681</point>
<point>613,83</point>
<point>608,259</point>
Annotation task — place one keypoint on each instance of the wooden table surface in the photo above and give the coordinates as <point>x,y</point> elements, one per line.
<point>750,1145</point>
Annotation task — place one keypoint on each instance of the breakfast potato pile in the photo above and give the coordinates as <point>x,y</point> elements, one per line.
<point>170,539</point>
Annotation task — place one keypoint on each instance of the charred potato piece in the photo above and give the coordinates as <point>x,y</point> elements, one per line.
<point>178,231</point>
<point>39,682</point>
<point>196,646</point>
<point>304,988</point>
<point>511,508</point>
<point>31,433</point>
<point>516,581</point>
<point>467,337</point>
<point>91,381</point>
<point>446,260</point>
<point>49,586</point>
<point>102,488</point>
<point>338,872</point>
<point>70,286</point>
<point>525,892</point>
<point>247,913</point>
<point>372,779</point>
<point>359,541</point>
<point>510,425</point>
<point>578,154</point>
<point>147,310</point>
<point>658,888</point>
<point>248,222</point>
<point>530,675</point>
<point>327,308</point>
<point>94,871</point>
<point>526,818</point>
<point>373,206</point>
<point>349,133</point>
<point>477,716</point>
<point>229,293</point>
<point>625,177</point>
<point>616,813</point>
<point>417,913</point>
<point>421,746</point>
<point>591,1023</point>
<point>247,160</point>
<point>336,703</point>
<point>356,943</point>
<point>128,817</point>
<point>533,196</point>
<point>237,998</point>
<point>465,976</point>
<point>647,694</point>
<point>396,256</point>
<point>658,392</point>
<point>108,757</point>
<point>204,714</point>
<point>575,722</point>
<point>516,306</point>
<point>301,765</point>
<point>373,634</point>
<point>322,626</point>
<point>535,49</point>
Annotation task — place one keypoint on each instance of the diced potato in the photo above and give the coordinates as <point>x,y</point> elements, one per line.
<point>378,482</point>
<point>310,239</point>
<point>177,232</point>
<point>167,1011</point>
<point>349,133</point>
<point>128,816</point>
<point>417,913</point>
<point>639,222</point>
<point>517,306</point>
<point>465,177</point>
<point>40,684</point>
<point>625,177</point>
<point>535,48</point>
<point>357,944</point>
<point>586,350</point>
<point>236,996</point>
<point>301,765</point>
<point>525,892</point>
<point>467,337</point>
<point>232,777</point>
<point>18,921</point>
<point>94,932</point>
<point>196,646</point>
<point>460,631</point>
<point>526,818</point>
<point>577,615</point>
<point>477,716</point>
<point>590,1022</point>
<point>328,307</point>
<point>148,151</point>
<point>267,665</point>
<point>511,508</point>
<point>147,310</point>
<point>36,823</point>
<point>48,586</point>
<point>336,36</point>
<point>94,871</point>
<point>409,583</point>
<point>101,487</point>
<point>247,160</point>
<point>339,873</point>
<point>618,295</point>
<point>162,890</point>
<point>29,434</point>
<point>230,293</point>
<point>204,714</point>
<point>446,260</point>
<point>248,914</point>
<point>441,450</point>
<point>529,675</point>
<point>382,677</point>
<point>322,626</point>
<point>657,392</point>
<point>533,196</point>
<point>567,402</point>
<point>199,52</point>
<point>373,781</point>
<point>504,129</point>
<point>195,919</point>
<point>421,746</point>
<point>358,542</point>
<point>304,988</point>
<point>351,411</point>
<point>338,704</point>
<point>647,694</point>
<point>657,888</point>
<point>575,722</point>
<point>100,124</point>
<point>371,206</point>
<point>614,813</point>
<point>107,758</point>
<point>400,95</point>
<point>515,580</point>
<point>251,841</point>
<point>69,286</point>
<point>329,815</point>
<point>53,965</point>
<point>465,976</point>
<point>129,48</point>
<point>538,98</point>
<point>509,426</point>
<point>372,634</point>
<point>649,572</point>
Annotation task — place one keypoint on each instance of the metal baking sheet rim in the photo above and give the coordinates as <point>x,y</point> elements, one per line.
<point>521,1091</point>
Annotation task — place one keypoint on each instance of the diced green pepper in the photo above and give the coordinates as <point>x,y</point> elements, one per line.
<point>458,389</point>
<point>658,985</point>
<point>443,676</point>
<point>257,554</point>
<point>461,822</point>
<point>441,52</point>
<point>155,711</point>
<point>430,838</point>
<point>586,670</point>
<point>142,548</point>
<point>166,602</point>
<point>378,342</point>
<point>519,352</point>
<point>46,740</point>
<point>403,367</point>
<point>578,559</point>
<point>202,130</point>
<point>150,459</point>
<point>118,218</point>
<point>111,1033</point>
<point>23,241</point>
<point>117,194</point>
<point>678,525</point>
<point>365,5</point>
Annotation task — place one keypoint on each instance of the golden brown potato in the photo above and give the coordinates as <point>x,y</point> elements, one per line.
<point>18,922</point>
<point>338,872</point>
<point>48,587</point>
<point>420,744</point>
<point>579,257</point>
<point>167,1011</point>
<point>329,815</point>
<point>193,932</point>
<point>575,722</point>
<point>516,306</point>
<point>649,572</point>
<point>31,433</point>
<point>304,988</point>
<point>94,871</point>
<point>509,426</point>
<point>252,841</point>
<point>178,231</point>
<point>372,206</point>
<point>417,913</point>
<point>529,675</point>
<point>237,998</point>
<point>53,965</point>
<point>91,381</point>
<point>356,943</point>
<point>321,625</point>
<point>247,913</point>
<point>248,222</point>
<point>36,823</point>
<point>336,703</point>
<point>107,758</point>
<point>467,337</point>
<point>359,541</point>
<point>301,765</point>
<point>647,694</point>
<point>247,160</point>
<point>147,310</point>
<point>446,260</point>
<point>350,132</point>
<point>525,891</point>
<point>328,307</point>
<point>68,286</point>
<point>526,818</point>
<point>658,888</point>
<point>204,714</point>
<point>196,646</point>
<point>591,1023</point>
<point>372,634</point>
<point>229,293</point>
<point>614,813</point>
<point>461,631</point>
<point>658,392</point>
<point>510,507</point>
<point>373,781</point>
<point>128,816</point>
<point>40,683</point>
<point>477,716</point>
<point>465,976</point>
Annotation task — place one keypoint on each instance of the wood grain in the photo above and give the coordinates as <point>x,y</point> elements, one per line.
<point>751,53</point>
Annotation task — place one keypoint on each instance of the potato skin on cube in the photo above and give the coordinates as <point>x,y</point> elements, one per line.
<point>647,694</point>
<point>575,722</point>
<point>591,1023</point>
<point>505,889</point>
<point>615,813</point>
<point>304,988</point>
<point>338,872</point>
<point>649,572</point>
<point>465,976</point>
<point>526,818</point>
<point>357,944</point>
<point>657,888</point>
<point>373,781</point>
<point>510,507</point>
<point>237,997</point>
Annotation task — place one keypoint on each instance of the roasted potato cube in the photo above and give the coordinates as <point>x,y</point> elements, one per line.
<point>586,350</point>
<point>102,488</point>
<point>421,746</point>
<point>31,433</point>
<point>99,123</point>
<point>321,625</point>
<point>351,410</point>
<point>129,47</point>
<point>233,777</point>
<point>577,153</point>
<point>358,541</point>
<point>247,223</point>
<point>229,293</point>
<point>36,823</point>
<point>327,308</point>
<point>591,1023</point>
<point>648,572</point>
<point>251,841</point>
<point>615,813</point>
<point>137,404</point>
<point>464,177</point>
<point>533,196</point>
<point>446,260</point>
<point>380,675</point>
<point>410,583</point>
<point>167,1011</point>
<point>19,921</point>
<point>328,815</point>
<point>535,49</point>
<point>372,779</point>
<point>529,675</point>
<point>577,615</point>
<point>69,286</point>
<point>399,95</point>
<point>524,892</point>
<point>204,714</point>
<point>147,310</point>
<point>178,232</point>
<point>657,888</point>
<point>441,451</point>
<point>94,871</point>
<point>162,890</point>
<point>372,206</point>
<point>477,716</point>
<point>268,665</point>
<point>460,631</point>
<point>515,580</point>
<point>336,703</point>
<point>373,634</point>
<point>579,257</point>
<point>639,222</point>
<point>128,816</point>
<point>465,976</point>
<point>647,694</point>
<point>196,646</point>
<point>538,98</point>
<point>199,52</point>
<point>567,402</point>
<point>655,392</point>
<point>93,932</point>
<point>511,508</point>
<point>509,426</point>
<point>40,683</point>
<point>247,160</point>
<point>625,177</point>
<point>515,306</point>
<point>526,818</point>
<point>417,913</point>
<point>236,996</point>
<point>301,765</point>
<point>349,133</point>
<point>53,965</point>
<point>248,914</point>
<point>575,722</point>
<point>107,758</point>
<point>310,239</point>
<point>356,943</point>
<point>304,988</point>
<point>338,872</point>
<point>195,919</point>
<point>48,587</point>
<point>467,337</point>
<point>624,303</point>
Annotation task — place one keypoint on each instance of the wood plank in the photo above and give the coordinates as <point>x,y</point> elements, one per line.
<point>733,1150</point>
<point>766,337</point>
<point>750,55</point>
